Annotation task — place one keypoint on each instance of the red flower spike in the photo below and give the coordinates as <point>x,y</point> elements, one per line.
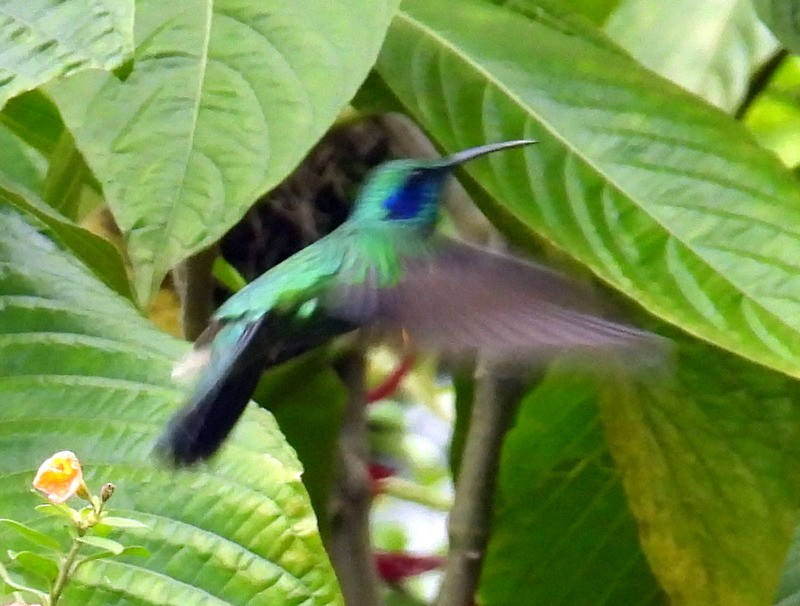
<point>378,473</point>
<point>395,567</point>
<point>392,382</point>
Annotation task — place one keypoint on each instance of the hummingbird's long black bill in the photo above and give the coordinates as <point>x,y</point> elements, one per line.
<point>482,150</point>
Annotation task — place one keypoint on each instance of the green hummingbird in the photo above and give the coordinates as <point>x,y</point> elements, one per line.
<point>384,266</point>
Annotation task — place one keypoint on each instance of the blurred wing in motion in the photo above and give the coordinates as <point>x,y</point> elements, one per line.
<point>457,298</point>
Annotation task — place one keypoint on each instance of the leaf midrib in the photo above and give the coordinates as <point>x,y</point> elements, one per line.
<point>166,231</point>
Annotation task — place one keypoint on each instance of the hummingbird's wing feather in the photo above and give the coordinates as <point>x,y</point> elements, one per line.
<point>456,297</point>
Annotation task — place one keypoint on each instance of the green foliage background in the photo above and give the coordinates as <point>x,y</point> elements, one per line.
<point>666,166</point>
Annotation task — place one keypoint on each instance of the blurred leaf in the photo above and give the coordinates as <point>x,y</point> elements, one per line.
<point>136,550</point>
<point>81,369</point>
<point>110,545</point>
<point>783,18</point>
<point>709,47</point>
<point>660,195</point>
<point>96,252</point>
<point>562,525</point>
<point>595,10</point>
<point>567,15</point>
<point>42,567</point>
<point>19,163</point>
<point>224,100</point>
<point>374,96</point>
<point>774,115</point>
<point>387,428</point>
<point>55,509</point>
<point>789,589</point>
<point>9,584</point>
<point>35,120</point>
<point>40,41</point>
<point>414,492</point>
<point>710,460</point>
<point>307,399</point>
<point>117,522</point>
<point>389,535</point>
<point>133,550</point>
<point>397,598</point>
<point>66,175</point>
<point>31,536</point>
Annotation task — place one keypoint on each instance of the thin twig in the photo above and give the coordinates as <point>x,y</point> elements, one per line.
<point>195,286</point>
<point>350,547</point>
<point>470,518</point>
<point>759,81</point>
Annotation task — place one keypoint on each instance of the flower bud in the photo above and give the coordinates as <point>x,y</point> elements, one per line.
<point>106,492</point>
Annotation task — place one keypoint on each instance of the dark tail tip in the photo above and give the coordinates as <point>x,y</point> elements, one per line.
<point>176,448</point>
<point>198,431</point>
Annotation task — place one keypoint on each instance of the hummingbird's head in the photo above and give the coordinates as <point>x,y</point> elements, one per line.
<point>409,191</point>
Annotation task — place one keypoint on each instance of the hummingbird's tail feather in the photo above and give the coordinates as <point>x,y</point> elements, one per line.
<point>222,394</point>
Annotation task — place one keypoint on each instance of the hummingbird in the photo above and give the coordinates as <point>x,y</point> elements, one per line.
<point>385,266</point>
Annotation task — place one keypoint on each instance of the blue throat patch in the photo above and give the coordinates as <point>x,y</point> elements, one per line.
<point>413,199</point>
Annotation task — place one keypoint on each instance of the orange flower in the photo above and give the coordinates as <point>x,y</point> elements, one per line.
<point>60,477</point>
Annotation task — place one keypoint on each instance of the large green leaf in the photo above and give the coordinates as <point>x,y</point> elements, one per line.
<point>40,41</point>
<point>710,460</point>
<point>661,195</point>
<point>81,370</point>
<point>225,98</point>
<point>563,533</point>
<point>710,47</point>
